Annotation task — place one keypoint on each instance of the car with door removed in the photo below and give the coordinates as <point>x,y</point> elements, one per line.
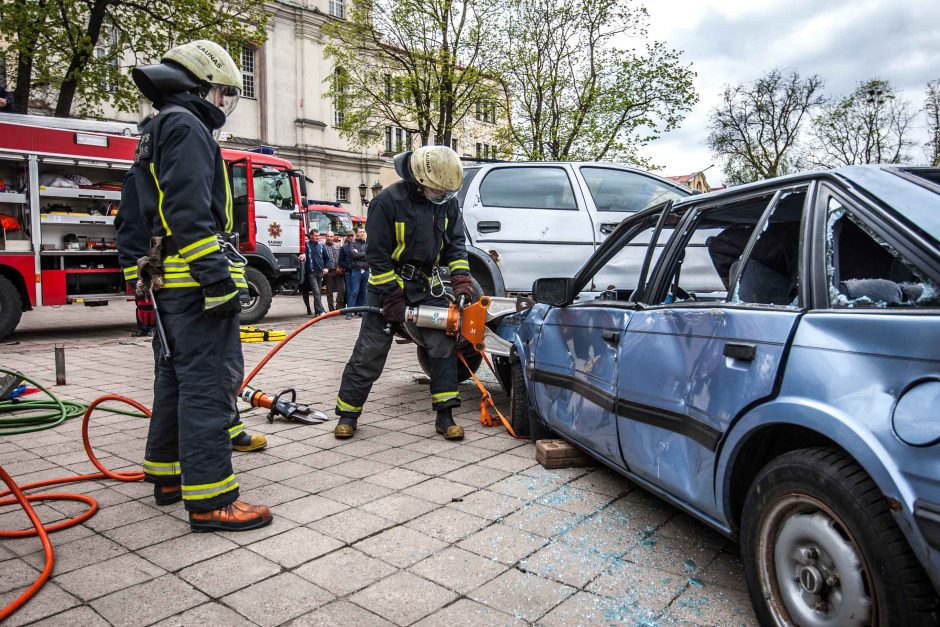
<point>525,220</point>
<point>772,367</point>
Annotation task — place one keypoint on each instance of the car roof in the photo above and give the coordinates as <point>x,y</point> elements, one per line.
<point>595,164</point>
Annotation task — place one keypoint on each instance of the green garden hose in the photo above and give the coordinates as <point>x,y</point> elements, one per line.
<point>22,416</point>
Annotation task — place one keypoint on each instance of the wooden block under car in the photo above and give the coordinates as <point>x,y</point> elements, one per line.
<point>560,454</point>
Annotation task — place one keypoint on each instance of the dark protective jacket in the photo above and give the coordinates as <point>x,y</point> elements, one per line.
<point>184,191</point>
<point>133,235</point>
<point>345,257</point>
<point>7,95</point>
<point>358,254</point>
<point>406,228</point>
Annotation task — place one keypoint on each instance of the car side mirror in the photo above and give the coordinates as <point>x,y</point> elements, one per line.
<point>296,215</point>
<point>552,291</point>
<point>302,180</point>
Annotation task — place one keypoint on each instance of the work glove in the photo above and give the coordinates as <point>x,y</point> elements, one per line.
<point>145,314</point>
<point>463,287</point>
<point>393,306</point>
<point>221,299</point>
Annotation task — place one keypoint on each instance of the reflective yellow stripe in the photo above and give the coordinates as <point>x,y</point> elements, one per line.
<point>153,171</point>
<point>130,273</point>
<point>229,221</point>
<point>161,468</point>
<point>182,279</point>
<point>400,239</point>
<point>459,264</point>
<point>209,490</point>
<point>215,301</point>
<point>444,396</point>
<point>344,406</point>
<point>200,249</point>
<point>197,244</point>
<point>236,430</point>
<point>385,277</point>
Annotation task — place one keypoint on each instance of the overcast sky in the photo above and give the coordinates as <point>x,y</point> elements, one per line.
<point>734,41</point>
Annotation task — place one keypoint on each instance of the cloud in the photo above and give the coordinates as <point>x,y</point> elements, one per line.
<point>843,41</point>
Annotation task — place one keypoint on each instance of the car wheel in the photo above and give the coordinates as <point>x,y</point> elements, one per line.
<point>474,359</point>
<point>11,308</point>
<point>259,297</point>
<point>820,547</point>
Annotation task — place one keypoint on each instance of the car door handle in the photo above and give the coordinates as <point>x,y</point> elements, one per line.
<point>488,227</point>
<point>608,227</point>
<point>613,337</point>
<point>740,350</point>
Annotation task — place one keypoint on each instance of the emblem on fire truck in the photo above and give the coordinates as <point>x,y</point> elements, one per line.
<point>274,229</point>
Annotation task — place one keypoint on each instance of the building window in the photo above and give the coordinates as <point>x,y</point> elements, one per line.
<point>342,194</point>
<point>453,143</point>
<point>338,9</point>
<point>106,50</point>
<point>339,97</point>
<point>485,111</point>
<point>485,151</point>
<point>397,139</point>
<point>248,71</point>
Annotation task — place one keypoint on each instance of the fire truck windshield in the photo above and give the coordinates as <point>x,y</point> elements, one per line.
<point>323,221</point>
<point>273,186</point>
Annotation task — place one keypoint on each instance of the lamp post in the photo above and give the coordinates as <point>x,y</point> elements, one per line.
<point>362,193</point>
<point>376,188</point>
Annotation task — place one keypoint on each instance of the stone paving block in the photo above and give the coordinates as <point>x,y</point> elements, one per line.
<point>508,463</point>
<point>501,443</point>
<point>340,613</point>
<point>440,491</point>
<point>396,478</point>
<point>557,475</point>
<point>120,515</point>
<point>502,543</point>
<point>78,554</point>
<point>638,586</point>
<point>278,599</point>
<point>290,450</point>
<point>81,616</point>
<point>351,525</point>
<point>295,547</point>
<point>403,598</point>
<point>562,562</point>
<point>229,572</point>
<point>448,525</point>
<point>433,465</point>
<point>399,507</point>
<point>185,550</point>
<point>604,481</point>
<point>315,481</point>
<point>713,605</point>
<point>271,494</point>
<point>726,571</point>
<point>467,453</point>
<point>105,577</point>
<point>345,571</point>
<point>148,602</point>
<point>277,526</point>
<point>521,594</point>
<point>467,613</point>
<point>674,556</point>
<point>487,504</point>
<point>360,448</point>
<point>280,471</point>
<point>358,492</point>
<point>431,446</point>
<point>308,509</point>
<point>574,500</point>
<point>359,468</point>
<point>584,608</point>
<point>542,520</point>
<point>522,487</point>
<point>206,614</point>
<point>50,600</point>
<point>397,456</point>
<point>400,546</point>
<point>16,574</point>
<point>605,532</point>
<point>477,476</point>
<point>458,570</point>
<point>682,527</point>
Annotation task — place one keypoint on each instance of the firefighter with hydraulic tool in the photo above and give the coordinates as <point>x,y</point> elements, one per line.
<point>194,272</point>
<point>133,240</point>
<point>414,226</point>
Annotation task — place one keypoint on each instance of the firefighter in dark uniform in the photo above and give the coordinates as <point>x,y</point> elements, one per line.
<point>413,227</point>
<point>133,240</point>
<point>185,196</point>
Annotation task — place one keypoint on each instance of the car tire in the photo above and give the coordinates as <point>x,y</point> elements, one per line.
<point>820,546</point>
<point>260,294</point>
<point>519,406</point>
<point>11,307</point>
<point>474,359</point>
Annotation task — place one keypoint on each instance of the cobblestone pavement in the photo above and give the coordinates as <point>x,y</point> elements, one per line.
<point>396,526</point>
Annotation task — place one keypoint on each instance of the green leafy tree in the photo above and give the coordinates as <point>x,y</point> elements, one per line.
<point>870,125</point>
<point>755,129</point>
<point>74,50</point>
<point>573,93</point>
<point>421,65</point>
<point>932,111</point>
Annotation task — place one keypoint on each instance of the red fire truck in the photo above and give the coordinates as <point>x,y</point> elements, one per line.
<point>59,193</point>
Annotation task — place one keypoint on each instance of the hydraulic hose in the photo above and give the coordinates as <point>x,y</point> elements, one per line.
<point>63,411</point>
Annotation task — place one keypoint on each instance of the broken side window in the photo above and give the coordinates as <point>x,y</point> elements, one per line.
<point>864,271</point>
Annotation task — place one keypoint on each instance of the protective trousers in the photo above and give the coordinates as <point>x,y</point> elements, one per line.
<point>371,350</point>
<point>189,440</point>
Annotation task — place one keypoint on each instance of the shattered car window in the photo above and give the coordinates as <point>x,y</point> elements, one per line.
<point>865,271</point>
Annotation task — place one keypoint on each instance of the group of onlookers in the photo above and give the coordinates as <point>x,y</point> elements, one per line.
<point>339,266</point>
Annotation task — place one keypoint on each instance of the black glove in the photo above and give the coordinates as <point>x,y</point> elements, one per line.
<point>221,299</point>
<point>463,287</point>
<point>393,306</point>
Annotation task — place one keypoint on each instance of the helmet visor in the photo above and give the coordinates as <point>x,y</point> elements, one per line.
<point>224,97</point>
<point>438,196</point>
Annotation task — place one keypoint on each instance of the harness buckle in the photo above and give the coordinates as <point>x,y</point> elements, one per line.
<point>407,272</point>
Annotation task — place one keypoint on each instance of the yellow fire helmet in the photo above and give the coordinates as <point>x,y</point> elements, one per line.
<point>210,63</point>
<point>438,170</point>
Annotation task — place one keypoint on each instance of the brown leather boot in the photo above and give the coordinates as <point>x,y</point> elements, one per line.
<point>236,516</point>
<point>167,494</point>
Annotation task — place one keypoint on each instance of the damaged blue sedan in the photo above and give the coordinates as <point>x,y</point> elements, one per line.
<point>767,358</point>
